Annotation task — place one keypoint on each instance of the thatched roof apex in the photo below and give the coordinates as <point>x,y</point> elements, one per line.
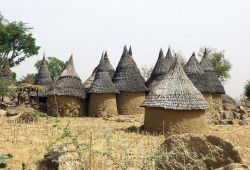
<point>215,86</point>
<point>196,74</point>
<point>105,65</point>
<point>175,91</point>
<point>69,83</point>
<point>102,84</point>
<point>43,77</point>
<point>127,76</point>
<point>69,70</point>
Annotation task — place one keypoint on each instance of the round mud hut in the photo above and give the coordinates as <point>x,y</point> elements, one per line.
<point>174,105</point>
<point>44,80</point>
<point>129,82</point>
<point>160,69</point>
<point>66,96</point>
<point>196,74</point>
<point>102,101</point>
<point>216,88</point>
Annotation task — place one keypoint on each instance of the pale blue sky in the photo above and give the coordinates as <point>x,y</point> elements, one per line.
<point>86,28</point>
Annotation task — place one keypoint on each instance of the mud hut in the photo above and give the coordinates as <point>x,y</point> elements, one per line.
<point>196,74</point>
<point>102,102</point>
<point>66,96</point>
<point>174,105</point>
<point>216,88</point>
<point>160,69</point>
<point>130,84</point>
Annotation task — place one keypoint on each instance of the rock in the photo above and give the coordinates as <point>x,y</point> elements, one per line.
<point>12,112</point>
<point>234,166</point>
<point>243,122</point>
<point>243,110</point>
<point>3,106</point>
<point>60,159</point>
<point>3,113</point>
<point>193,151</point>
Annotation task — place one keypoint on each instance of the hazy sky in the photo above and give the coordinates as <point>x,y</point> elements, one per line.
<point>86,28</point>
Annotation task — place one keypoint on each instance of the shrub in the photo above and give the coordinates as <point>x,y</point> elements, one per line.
<point>247,90</point>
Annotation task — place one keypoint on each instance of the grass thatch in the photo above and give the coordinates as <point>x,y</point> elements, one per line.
<point>175,91</point>
<point>102,82</point>
<point>43,76</point>
<point>215,86</point>
<point>69,83</point>
<point>127,76</point>
<point>161,68</point>
<point>196,74</point>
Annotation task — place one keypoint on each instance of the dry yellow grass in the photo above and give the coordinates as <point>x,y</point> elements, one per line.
<point>28,142</point>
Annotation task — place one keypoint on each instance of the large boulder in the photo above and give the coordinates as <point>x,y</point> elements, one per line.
<point>60,158</point>
<point>193,151</point>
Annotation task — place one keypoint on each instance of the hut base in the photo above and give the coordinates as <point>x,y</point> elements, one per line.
<point>209,99</point>
<point>217,102</point>
<point>129,103</point>
<point>102,105</point>
<point>175,122</point>
<point>65,106</point>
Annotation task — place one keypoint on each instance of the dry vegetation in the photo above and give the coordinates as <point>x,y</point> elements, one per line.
<point>105,143</point>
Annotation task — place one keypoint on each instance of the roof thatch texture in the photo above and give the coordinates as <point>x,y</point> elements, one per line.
<point>102,82</point>
<point>105,65</point>
<point>127,76</point>
<point>43,77</point>
<point>196,74</point>
<point>175,91</point>
<point>215,86</point>
<point>69,83</point>
<point>161,68</point>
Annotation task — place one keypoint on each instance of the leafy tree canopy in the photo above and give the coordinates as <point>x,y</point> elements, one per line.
<point>17,42</point>
<point>222,66</point>
<point>29,78</point>
<point>55,66</point>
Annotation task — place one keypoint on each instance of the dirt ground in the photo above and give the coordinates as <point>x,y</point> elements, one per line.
<point>109,143</point>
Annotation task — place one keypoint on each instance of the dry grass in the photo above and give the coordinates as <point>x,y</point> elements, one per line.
<point>109,146</point>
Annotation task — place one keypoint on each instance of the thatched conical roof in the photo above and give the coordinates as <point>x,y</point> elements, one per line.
<point>68,83</point>
<point>102,82</point>
<point>158,71</point>
<point>169,59</point>
<point>215,86</point>
<point>127,76</point>
<point>196,74</point>
<point>105,65</point>
<point>175,91</point>
<point>43,77</point>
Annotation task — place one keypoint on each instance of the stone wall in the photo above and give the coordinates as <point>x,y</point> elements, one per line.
<point>209,99</point>
<point>102,105</point>
<point>66,106</point>
<point>217,102</point>
<point>175,122</point>
<point>128,103</point>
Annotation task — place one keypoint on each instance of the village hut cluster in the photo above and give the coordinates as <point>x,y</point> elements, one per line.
<point>174,99</point>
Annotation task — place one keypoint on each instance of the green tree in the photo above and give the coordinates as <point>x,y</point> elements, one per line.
<point>29,78</point>
<point>221,64</point>
<point>55,66</point>
<point>247,90</point>
<point>17,42</point>
<point>4,90</point>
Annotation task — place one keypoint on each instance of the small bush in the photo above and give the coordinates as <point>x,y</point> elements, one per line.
<point>3,159</point>
<point>39,114</point>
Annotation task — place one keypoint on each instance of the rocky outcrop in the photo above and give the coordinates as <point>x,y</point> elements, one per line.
<point>192,151</point>
<point>60,159</point>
